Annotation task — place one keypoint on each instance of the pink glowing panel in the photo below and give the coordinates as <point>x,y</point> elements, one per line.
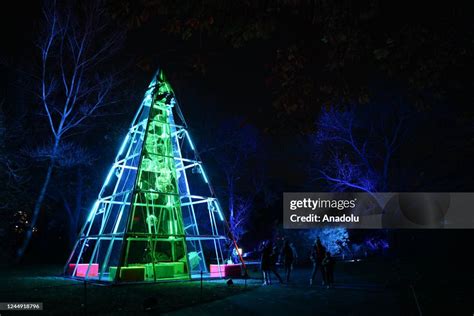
<point>82,269</point>
<point>226,270</point>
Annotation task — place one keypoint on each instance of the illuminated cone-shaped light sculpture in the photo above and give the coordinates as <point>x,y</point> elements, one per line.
<point>144,224</point>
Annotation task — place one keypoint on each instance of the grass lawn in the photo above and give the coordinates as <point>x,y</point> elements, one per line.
<point>68,297</point>
<point>382,287</point>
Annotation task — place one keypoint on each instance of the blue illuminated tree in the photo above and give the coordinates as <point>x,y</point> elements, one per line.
<point>72,85</point>
<point>235,152</point>
<point>353,149</point>
<point>334,239</point>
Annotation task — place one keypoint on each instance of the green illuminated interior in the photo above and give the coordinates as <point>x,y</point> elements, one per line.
<point>155,242</point>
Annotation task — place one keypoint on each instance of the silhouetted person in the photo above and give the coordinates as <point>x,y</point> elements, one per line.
<point>328,264</point>
<point>265,262</point>
<point>295,253</point>
<point>318,252</point>
<point>288,259</point>
<point>273,261</point>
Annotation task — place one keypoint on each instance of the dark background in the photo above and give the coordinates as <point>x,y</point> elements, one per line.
<point>272,65</point>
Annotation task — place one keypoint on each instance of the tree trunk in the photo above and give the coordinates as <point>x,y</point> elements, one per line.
<point>38,204</point>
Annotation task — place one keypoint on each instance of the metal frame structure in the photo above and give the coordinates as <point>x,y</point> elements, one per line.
<point>156,216</point>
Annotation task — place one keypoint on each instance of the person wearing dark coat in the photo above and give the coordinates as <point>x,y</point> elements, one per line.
<point>288,259</point>
<point>318,252</point>
<point>273,261</point>
<point>328,264</point>
<point>265,262</point>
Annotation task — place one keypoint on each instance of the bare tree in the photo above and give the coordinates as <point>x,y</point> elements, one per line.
<point>354,150</point>
<point>234,151</point>
<point>74,46</point>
